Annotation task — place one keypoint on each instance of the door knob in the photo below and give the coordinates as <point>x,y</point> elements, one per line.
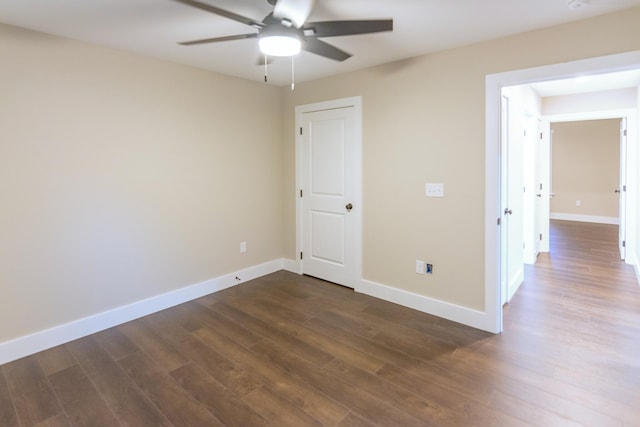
<point>508,211</point>
<point>349,206</point>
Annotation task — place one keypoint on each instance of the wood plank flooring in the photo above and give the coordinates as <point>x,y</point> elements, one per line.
<point>286,350</point>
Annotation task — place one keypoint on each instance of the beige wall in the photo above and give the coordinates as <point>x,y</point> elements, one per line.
<point>123,177</point>
<point>586,167</point>
<point>423,121</point>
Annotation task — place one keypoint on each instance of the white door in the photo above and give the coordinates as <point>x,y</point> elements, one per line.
<point>511,197</point>
<point>504,199</point>
<point>622,189</point>
<point>330,179</point>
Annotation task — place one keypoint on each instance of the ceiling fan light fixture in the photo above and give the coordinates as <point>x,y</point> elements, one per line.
<point>280,45</point>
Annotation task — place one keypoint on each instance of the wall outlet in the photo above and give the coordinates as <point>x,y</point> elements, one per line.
<point>419,266</point>
<point>578,203</point>
<point>243,247</point>
<point>434,190</point>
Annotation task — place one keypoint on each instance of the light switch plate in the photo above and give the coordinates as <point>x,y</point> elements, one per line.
<point>434,189</point>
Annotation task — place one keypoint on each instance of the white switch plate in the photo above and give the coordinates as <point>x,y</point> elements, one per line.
<point>243,247</point>
<point>434,189</point>
<point>419,267</point>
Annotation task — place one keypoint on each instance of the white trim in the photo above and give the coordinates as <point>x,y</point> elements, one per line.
<point>585,218</point>
<point>356,103</point>
<point>446,310</point>
<point>515,284</point>
<point>493,86</point>
<point>293,266</point>
<point>57,335</point>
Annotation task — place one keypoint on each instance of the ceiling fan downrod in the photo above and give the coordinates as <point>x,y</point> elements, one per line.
<point>293,74</point>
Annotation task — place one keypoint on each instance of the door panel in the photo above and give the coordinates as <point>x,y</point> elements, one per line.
<point>329,182</point>
<point>504,198</point>
<point>512,235</point>
<point>327,237</point>
<point>327,143</point>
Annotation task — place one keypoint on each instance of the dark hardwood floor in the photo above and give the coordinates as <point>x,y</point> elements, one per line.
<point>286,350</point>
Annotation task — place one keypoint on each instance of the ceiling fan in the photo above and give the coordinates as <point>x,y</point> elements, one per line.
<point>284,32</point>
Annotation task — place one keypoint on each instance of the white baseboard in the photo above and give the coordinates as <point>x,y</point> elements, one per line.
<point>42,340</point>
<point>456,313</point>
<point>585,218</point>
<point>293,266</point>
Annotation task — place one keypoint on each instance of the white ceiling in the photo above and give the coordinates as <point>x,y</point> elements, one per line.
<point>152,27</point>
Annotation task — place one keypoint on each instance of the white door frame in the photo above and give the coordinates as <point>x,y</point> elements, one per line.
<point>629,116</point>
<point>623,179</point>
<point>544,177</point>
<point>356,103</point>
<point>493,87</point>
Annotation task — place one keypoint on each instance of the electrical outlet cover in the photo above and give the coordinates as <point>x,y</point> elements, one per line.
<point>434,190</point>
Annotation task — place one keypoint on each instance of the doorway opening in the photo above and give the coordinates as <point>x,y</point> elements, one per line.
<point>571,171</point>
<point>497,159</point>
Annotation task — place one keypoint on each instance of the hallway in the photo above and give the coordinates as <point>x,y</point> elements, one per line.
<point>576,319</point>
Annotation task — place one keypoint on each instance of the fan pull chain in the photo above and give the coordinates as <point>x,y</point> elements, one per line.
<point>265,68</point>
<point>293,74</point>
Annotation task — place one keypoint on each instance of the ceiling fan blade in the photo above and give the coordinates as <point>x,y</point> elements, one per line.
<point>296,11</point>
<point>222,12</point>
<point>321,48</point>
<point>220,39</point>
<point>348,28</point>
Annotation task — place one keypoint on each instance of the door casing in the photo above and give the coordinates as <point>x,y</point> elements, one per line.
<point>622,188</point>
